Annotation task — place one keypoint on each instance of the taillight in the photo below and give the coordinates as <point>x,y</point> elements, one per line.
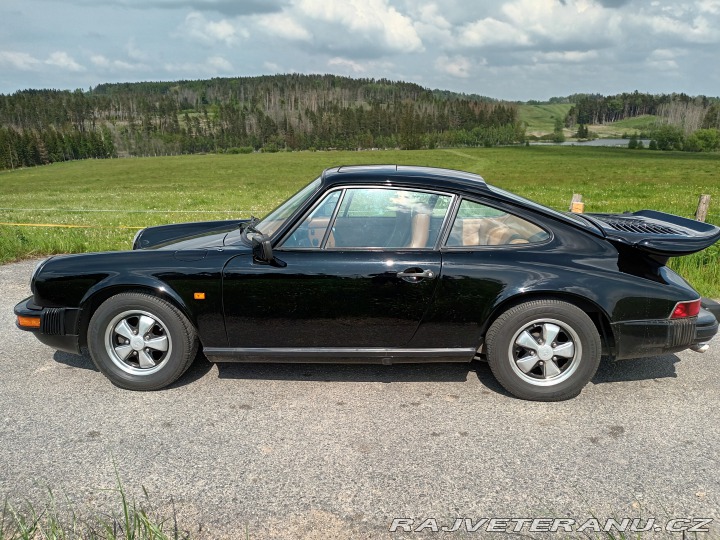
<point>686,309</point>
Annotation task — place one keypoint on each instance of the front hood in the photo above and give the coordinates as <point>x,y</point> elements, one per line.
<point>200,241</point>
<point>657,233</point>
<point>182,236</point>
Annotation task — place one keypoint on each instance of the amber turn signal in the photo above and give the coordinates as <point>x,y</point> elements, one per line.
<point>28,322</point>
<point>199,296</point>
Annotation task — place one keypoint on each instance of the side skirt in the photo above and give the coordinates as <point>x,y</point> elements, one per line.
<point>338,355</point>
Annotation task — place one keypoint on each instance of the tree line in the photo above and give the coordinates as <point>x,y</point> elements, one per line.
<point>698,112</point>
<point>268,113</point>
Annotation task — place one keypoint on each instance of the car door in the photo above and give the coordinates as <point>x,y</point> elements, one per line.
<point>359,270</point>
<point>488,250</point>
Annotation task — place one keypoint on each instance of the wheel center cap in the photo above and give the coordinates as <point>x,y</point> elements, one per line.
<point>545,352</point>
<point>137,343</point>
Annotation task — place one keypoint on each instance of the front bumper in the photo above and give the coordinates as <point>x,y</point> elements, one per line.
<point>58,326</point>
<point>639,339</point>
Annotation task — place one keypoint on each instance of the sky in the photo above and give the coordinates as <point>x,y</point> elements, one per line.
<point>505,49</point>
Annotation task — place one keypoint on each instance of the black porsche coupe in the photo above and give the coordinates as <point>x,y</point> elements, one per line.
<point>384,264</point>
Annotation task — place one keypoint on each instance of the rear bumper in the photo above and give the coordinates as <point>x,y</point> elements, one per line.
<point>639,339</point>
<point>58,326</point>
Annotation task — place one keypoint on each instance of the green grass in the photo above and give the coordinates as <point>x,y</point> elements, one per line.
<point>540,119</point>
<point>205,187</point>
<point>53,521</point>
<point>638,124</point>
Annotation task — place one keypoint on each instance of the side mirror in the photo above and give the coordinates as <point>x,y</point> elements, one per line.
<point>263,253</point>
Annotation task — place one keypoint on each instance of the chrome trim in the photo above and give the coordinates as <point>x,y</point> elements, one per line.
<point>229,354</point>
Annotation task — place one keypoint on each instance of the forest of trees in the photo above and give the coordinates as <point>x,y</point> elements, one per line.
<point>681,122</point>
<point>269,113</point>
<point>690,113</point>
<point>301,112</point>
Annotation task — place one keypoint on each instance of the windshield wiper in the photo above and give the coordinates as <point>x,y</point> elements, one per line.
<point>248,226</point>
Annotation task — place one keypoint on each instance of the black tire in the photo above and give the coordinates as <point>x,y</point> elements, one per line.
<point>141,342</point>
<point>528,367</point>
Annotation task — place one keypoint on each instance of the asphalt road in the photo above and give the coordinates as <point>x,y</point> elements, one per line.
<point>319,451</point>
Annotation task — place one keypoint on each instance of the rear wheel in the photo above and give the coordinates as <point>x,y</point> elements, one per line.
<point>141,342</point>
<point>544,350</point>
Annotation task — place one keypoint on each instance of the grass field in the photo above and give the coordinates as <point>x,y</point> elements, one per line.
<point>540,119</point>
<point>107,199</point>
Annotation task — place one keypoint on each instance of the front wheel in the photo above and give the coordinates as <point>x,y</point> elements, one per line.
<point>141,342</point>
<point>544,350</point>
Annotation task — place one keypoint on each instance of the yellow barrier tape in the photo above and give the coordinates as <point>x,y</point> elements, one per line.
<point>70,226</point>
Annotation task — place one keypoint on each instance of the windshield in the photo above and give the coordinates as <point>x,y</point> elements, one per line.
<point>275,219</point>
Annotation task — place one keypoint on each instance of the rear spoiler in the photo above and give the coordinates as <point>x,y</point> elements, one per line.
<point>657,233</point>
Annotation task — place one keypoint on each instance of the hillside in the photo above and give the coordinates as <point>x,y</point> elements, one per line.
<point>540,118</point>
<point>269,113</point>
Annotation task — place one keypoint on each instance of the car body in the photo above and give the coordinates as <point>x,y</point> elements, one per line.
<point>384,264</point>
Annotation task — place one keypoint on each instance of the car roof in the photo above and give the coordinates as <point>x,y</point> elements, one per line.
<point>422,176</point>
<point>440,179</point>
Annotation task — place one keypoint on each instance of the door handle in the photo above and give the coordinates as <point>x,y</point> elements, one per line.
<point>416,274</point>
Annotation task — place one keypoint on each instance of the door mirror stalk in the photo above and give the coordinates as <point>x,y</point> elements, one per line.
<point>263,252</point>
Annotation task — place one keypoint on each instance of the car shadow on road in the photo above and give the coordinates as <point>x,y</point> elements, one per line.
<point>440,372</point>
<point>657,367</point>
<point>82,360</point>
<point>197,369</point>
<point>640,369</point>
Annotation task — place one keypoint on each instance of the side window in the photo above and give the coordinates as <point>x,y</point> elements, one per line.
<point>480,225</point>
<point>311,231</point>
<point>389,218</point>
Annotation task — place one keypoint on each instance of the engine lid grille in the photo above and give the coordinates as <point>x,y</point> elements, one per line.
<point>639,226</point>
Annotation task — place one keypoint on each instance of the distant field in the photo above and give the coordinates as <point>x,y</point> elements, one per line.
<point>107,195</point>
<point>629,125</point>
<point>540,119</point>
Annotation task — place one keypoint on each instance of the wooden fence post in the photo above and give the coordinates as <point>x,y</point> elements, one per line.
<point>702,209</point>
<point>576,204</point>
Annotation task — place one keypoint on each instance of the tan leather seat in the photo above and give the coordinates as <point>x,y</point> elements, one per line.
<point>316,232</point>
<point>420,231</point>
<point>475,231</point>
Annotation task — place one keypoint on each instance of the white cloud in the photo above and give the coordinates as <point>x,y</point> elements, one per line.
<point>699,30</point>
<point>374,19</point>
<point>18,60</point>
<point>134,52</point>
<point>197,27</point>
<point>214,65</point>
<point>709,6</point>
<point>63,60</point>
<point>457,66</point>
<point>553,21</point>
<point>348,65</point>
<point>565,57</point>
<point>219,64</point>
<point>431,24</point>
<point>283,25</point>
<point>491,31</point>
<point>664,59</point>
<point>105,63</point>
